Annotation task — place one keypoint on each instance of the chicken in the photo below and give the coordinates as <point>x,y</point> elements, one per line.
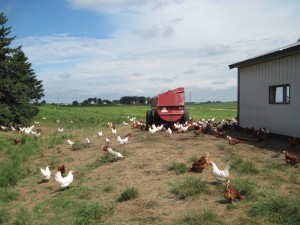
<point>200,164</point>
<point>105,148</point>
<point>291,159</point>
<point>46,173</point>
<point>230,193</point>
<point>168,131</point>
<point>183,129</point>
<point>220,175</point>
<point>87,141</point>
<point>107,141</point>
<point>123,140</point>
<point>117,154</point>
<point>198,130</point>
<point>100,133</point>
<point>114,131</point>
<point>62,169</point>
<point>233,141</point>
<point>64,181</point>
<point>218,134</point>
<point>152,130</point>
<point>60,129</point>
<point>17,141</point>
<point>71,143</point>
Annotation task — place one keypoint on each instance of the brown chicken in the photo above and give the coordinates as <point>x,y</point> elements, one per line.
<point>198,130</point>
<point>230,193</point>
<point>233,141</point>
<point>218,134</point>
<point>291,159</point>
<point>62,169</point>
<point>105,148</point>
<point>200,164</point>
<point>17,141</point>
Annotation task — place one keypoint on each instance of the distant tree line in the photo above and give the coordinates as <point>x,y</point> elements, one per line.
<point>126,100</point>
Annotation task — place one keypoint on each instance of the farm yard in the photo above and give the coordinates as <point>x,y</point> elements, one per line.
<point>152,184</point>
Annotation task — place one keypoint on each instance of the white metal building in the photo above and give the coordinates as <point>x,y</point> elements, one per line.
<point>269,91</point>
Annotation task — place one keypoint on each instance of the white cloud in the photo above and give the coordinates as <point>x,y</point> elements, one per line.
<point>161,45</point>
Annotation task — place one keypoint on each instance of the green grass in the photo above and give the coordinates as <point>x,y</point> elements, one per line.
<point>128,194</point>
<point>189,187</point>
<point>178,168</point>
<point>277,208</point>
<point>92,212</point>
<point>198,218</point>
<point>98,116</point>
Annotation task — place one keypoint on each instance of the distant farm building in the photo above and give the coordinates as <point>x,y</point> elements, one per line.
<point>269,91</point>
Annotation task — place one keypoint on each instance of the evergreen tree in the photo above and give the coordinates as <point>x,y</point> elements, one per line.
<point>19,87</point>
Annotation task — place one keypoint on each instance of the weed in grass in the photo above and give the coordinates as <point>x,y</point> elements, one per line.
<point>23,217</point>
<point>246,187</point>
<point>221,146</point>
<point>76,146</point>
<point>179,168</point>
<point>4,216</point>
<point>108,188</point>
<point>53,162</point>
<point>128,194</point>
<point>197,218</point>
<point>189,187</point>
<point>247,167</point>
<point>93,212</point>
<point>7,195</point>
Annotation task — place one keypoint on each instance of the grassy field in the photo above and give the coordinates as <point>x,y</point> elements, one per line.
<point>152,184</point>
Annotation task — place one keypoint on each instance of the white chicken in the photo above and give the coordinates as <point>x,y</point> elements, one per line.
<point>159,128</point>
<point>114,131</point>
<point>220,175</point>
<point>122,140</point>
<point>46,173</point>
<point>126,124</point>
<point>71,143</point>
<point>87,141</point>
<point>64,181</point>
<point>183,129</point>
<point>169,131</point>
<point>107,141</point>
<point>28,129</point>
<point>60,129</point>
<point>100,133</point>
<point>152,130</point>
<point>117,154</point>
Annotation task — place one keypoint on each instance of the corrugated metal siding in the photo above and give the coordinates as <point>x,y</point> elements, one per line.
<point>254,108</point>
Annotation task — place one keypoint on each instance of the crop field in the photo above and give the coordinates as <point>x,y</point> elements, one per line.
<point>152,184</point>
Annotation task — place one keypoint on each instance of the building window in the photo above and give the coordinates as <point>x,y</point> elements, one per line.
<point>279,94</point>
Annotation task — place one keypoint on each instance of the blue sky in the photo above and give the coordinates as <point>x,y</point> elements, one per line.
<point>114,48</point>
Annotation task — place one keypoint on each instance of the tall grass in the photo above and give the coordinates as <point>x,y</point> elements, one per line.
<point>92,212</point>
<point>277,208</point>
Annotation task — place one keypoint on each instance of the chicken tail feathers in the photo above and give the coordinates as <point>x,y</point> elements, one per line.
<point>226,170</point>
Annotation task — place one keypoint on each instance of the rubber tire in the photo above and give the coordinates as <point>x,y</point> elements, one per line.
<point>185,117</point>
<point>149,119</point>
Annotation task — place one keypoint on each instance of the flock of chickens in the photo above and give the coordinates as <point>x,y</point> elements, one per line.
<point>201,127</point>
<point>230,193</point>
